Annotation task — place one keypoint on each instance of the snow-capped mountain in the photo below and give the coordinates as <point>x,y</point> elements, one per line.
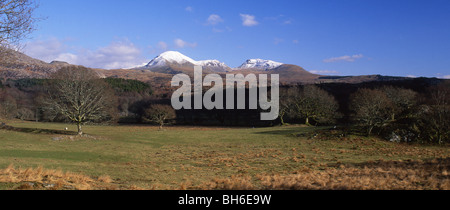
<point>174,58</point>
<point>214,65</point>
<point>260,64</point>
<point>170,57</point>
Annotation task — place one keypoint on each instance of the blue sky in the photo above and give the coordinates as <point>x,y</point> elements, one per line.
<point>335,37</point>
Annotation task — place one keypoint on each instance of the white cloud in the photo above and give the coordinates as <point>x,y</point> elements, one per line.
<point>45,50</point>
<point>442,76</point>
<point>214,19</point>
<point>182,44</point>
<point>345,58</point>
<point>411,76</point>
<point>324,72</point>
<point>67,57</point>
<point>248,20</point>
<point>121,54</point>
<point>118,54</point>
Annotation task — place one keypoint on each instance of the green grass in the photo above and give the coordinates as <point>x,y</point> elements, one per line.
<point>149,158</point>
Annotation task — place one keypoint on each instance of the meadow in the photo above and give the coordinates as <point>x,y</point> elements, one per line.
<point>132,157</point>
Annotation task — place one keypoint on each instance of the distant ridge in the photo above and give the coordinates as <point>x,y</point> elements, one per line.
<point>16,65</point>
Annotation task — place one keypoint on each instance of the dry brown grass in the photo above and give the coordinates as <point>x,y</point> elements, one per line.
<point>233,183</point>
<point>374,175</point>
<point>39,179</point>
<point>105,179</point>
<point>380,175</point>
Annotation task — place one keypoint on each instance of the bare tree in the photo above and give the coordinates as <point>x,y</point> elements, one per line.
<point>16,21</point>
<point>402,100</point>
<point>80,95</point>
<point>434,115</point>
<point>287,96</point>
<point>8,107</point>
<point>159,113</point>
<point>312,103</point>
<point>25,114</point>
<point>371,108</point>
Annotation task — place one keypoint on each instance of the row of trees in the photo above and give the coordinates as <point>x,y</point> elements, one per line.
<point>397,113</point>
<point>404,114</point>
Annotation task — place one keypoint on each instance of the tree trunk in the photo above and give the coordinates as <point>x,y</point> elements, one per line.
<point>80,131</point>
<point>439,137</point>
<point>161,124</point>
<point>369,131</point>
<point>307,122</point>
<point>282,120</point>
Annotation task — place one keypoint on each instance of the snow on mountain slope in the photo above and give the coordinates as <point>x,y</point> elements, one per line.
<point>214,65</point>
<point>170,57</point>
<point>173,57</point>
<point>260,64</point>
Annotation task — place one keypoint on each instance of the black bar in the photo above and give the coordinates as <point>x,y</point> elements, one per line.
<point>242,199</point>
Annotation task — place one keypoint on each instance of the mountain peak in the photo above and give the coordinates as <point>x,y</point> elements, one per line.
<point>175,55</point>
<point>170,57</point>
<point>214,65</point>
<point>260,64</point>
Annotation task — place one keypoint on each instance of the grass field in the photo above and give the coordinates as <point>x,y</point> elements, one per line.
<point>142,157</point>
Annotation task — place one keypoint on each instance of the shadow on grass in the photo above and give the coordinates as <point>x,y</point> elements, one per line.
<point>288,131</point>
<point>429,164</point>
<point>62,155</point>
<point>319,133</point>
<point>38,130</point>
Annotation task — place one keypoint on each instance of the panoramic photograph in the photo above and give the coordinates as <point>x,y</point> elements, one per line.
<point>261,96</point>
